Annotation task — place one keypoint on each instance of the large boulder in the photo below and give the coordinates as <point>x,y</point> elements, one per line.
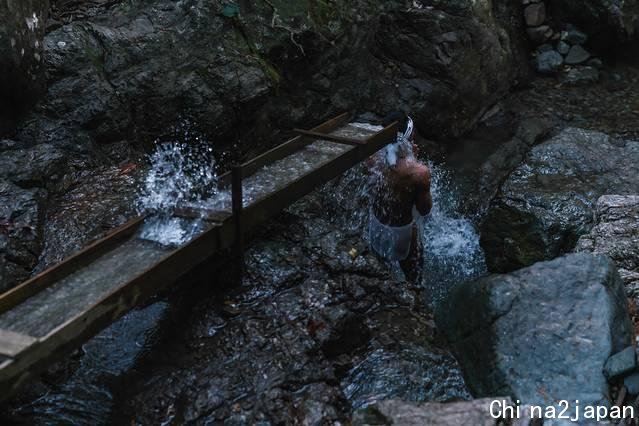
<point>616,234</point>
<point>22,78</point>
<point>540,334</point>
<point>606,20</point>
<point>548,201</point>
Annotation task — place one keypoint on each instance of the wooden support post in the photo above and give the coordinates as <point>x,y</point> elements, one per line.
<point>237,204</point>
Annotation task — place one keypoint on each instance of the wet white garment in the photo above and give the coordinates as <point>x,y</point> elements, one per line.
<point>393,243</point>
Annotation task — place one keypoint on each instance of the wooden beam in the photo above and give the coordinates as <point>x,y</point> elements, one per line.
<point>12,344</point>
<point>331,138</point>
<point>285,149</point>
<point>19,294</point>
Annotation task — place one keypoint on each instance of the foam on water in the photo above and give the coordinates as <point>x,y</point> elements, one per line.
<point>179,174</point>
<point>452,253</point>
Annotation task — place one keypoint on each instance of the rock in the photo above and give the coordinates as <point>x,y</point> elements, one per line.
<point>29,167</point>
<point>548,62</point>
<point>535,14</point>
<point>620,363</point>
<point>540,334</point>
<point>608,21</point>
<point>21,216</point>
<point>595,63</point>
<point>548,201</point>
<point>544,48</point>
<point>616,233</point>
<point>22,77</point>
<point>539,34</point>
<point>577,55</point>
<point>563,47</point>
<point>580,76</point>
<point>574,37</point>
<point>403,413</point>
<point>631,382</point>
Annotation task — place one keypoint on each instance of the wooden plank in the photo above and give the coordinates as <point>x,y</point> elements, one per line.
<point>331,138</point>
<point>11,344</point>
<point>262,209</point>
<point>209,215</point>
<point>285,149</point>
<point>85,256</point>
<point>63,339</point>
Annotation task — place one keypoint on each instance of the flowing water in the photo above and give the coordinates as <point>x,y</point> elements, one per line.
<point>185,174</point>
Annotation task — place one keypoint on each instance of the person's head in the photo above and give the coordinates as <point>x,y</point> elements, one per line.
<point>403,146</point>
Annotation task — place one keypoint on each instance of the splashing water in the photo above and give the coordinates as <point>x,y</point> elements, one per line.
<point>452,252</point>
<point>179,174</point>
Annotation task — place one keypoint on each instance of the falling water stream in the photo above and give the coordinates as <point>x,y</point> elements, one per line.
<point>182,173</point>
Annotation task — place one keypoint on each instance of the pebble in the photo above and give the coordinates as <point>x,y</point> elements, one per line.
<point>577,55</point>
<point>544,48</point>
<point>535,14</point>
<point>573,36</point>
<point>621,363</point>
<point>563,47</point>
<point>548,62</point>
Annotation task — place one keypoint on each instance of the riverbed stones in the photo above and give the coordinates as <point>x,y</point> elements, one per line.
<point>563,47</point>
<point>577,55</point>
<point>540,334</point>
<point>548,201</point>
<point>548,62</point>
<point>573,36</point>
<point>580,76</point>
<point>616,234</point>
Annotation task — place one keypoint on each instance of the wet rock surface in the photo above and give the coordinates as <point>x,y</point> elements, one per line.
<point>540,334</point>
<point>548,201</point>
<point>398,412</point>
<point>311,333</point>
<point>616,234</point>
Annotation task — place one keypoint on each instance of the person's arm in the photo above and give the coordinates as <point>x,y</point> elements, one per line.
<point>423,198</point>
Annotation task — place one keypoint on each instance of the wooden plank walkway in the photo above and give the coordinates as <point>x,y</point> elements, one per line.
<point>50,314</point>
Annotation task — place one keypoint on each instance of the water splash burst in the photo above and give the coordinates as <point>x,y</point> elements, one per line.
<point>179,174</point>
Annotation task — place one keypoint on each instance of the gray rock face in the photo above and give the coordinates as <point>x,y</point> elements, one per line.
<point>548,202</point>
<point>607,19</point>
<point>548,62</point>
<point>542,333</point>
<point>22,79</point>
<point>616,234</point>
